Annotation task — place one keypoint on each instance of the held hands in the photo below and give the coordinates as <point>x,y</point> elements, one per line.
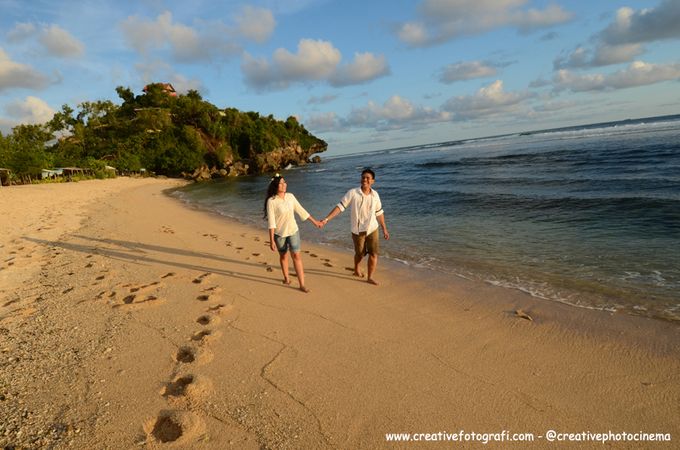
<point>318,223</point>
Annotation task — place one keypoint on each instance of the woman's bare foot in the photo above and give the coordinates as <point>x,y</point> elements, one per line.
<point>372,281</point>
<point>286,281</point>
<point>304,289</point>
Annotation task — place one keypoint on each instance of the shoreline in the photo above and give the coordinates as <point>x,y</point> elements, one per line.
<point>439,273</point>
<point>139,321</point>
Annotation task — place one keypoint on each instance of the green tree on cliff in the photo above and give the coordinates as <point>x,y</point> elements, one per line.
<point>158,130</point>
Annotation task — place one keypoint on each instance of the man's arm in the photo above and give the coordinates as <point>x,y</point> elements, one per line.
<point>383,225</point>
<point>334,212</point>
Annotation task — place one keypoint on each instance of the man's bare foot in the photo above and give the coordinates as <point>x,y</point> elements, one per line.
<point>358,273</point>
<point>372,281</point>
<point>304,289</point>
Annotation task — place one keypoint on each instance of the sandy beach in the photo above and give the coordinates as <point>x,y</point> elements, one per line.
<point>128,320</point>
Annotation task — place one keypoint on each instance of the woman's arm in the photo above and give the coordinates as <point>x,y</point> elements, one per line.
<point>272,242</point>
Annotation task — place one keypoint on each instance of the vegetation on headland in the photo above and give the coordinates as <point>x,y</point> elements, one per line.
<point>166,134</point>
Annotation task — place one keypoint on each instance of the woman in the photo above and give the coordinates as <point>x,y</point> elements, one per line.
<point>279,210</point>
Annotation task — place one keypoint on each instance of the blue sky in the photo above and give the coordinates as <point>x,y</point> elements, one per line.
<point>363,75</point>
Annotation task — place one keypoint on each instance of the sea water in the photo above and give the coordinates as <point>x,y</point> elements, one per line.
<point>588,216</point>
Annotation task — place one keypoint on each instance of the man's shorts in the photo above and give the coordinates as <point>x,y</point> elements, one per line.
<point>365,244</point>
<point>292,243</point>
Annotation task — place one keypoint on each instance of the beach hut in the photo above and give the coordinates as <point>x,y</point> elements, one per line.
<point>167,88</point>
<point>5,177</point>
<point>51,173</point>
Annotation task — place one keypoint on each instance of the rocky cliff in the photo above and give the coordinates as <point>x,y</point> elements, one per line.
<point>292,154</point>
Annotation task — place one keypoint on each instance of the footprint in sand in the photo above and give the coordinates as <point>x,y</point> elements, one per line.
<point>177,427</point>
<point>145,287</point>
<point>169,274</point>
<point>167,230</point>
<point>185,355</point>
<point>134,300</point>
<point>195,387</point>
<point>201,335</point>
<point>208,319</point>
<point>209,294</point>
<point>199,279</point>
<point>255,254</point>
<point>193,355</point>
<point>313,255</point>
<point>205,336</point>
<point>178,387</point>
<point>219,308</point>
<point>327,264</point>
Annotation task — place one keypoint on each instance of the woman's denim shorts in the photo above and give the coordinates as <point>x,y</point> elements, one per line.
<point>291,243</point>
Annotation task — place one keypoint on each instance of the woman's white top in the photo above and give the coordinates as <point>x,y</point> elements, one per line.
<point>280,214</point>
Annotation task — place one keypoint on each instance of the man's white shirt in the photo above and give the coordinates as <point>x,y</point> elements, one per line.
<point>364,210</point>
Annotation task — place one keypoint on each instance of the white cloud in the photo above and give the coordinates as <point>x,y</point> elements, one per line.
<point>185,43</point>
<point>414,34</point>
<point>636,74</point>
<point>621,41</point>
<point>323,122</point>
<point>466,70</point>
<point>534,19</point>
<point>604,55</point>
<point>31,110</point>
<point>61,43</point>
<point>314,100</point>
<point>364,68</point>
<point>614,54</point>
<point>17,75</point>
<point>56,41</point>
<point>442,20</point>
<point>256,24</point>
<point>145,36</point>
<point>646,25</point>
<point>315,60</point>
<point>396,113</point>
<point>21,32</point>
<point>490,100</point>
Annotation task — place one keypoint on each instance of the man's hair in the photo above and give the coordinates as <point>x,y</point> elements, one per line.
<point>367,170</point>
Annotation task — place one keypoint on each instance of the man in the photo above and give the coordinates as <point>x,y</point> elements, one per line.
<point>366,214</point>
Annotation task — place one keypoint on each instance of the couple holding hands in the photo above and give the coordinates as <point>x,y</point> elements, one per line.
<point>366,214</point>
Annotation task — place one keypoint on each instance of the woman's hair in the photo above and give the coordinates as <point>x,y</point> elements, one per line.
<point>272,190</point>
